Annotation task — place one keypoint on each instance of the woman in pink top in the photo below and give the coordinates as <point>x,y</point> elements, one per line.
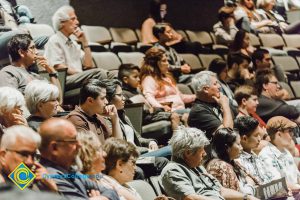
<point>158,85</point>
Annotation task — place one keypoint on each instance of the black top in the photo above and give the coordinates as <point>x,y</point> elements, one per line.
<point>34,122</point>
<point>206,117</point>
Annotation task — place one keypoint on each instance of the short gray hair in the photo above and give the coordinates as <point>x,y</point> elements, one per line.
<point>202,79</point>
<point>19,131</point>
<point>61,15</point>
<point>10,98</point>
<point>38,91</point>
<point>187,139</point>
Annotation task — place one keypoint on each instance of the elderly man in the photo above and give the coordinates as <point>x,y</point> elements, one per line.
<point>23,54</point>
<point>211,109</point>
<point>276,156</point>
<point>59,149</point>
<point>19,144</point>
<point>63,52</point>
<point>185,178</point>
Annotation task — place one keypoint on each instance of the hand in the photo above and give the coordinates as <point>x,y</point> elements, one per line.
<point>252,198</point>
<point>80,36</point>
<point>95,195</point>
<point>222,100</point>
<point>153,146</point>
<point>42,62</point>
<point>40,172</point>
<point>184,119</point>
<point>111,111</point>
<point>18,119</point>
<point>175,120</point>
<point>167,108</point>
<point>185,69</point>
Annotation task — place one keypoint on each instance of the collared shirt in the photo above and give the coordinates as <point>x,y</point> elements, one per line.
<point>179,180</point>
<point>63,50</point>
<point>255,166</point>
<point>280,164</point>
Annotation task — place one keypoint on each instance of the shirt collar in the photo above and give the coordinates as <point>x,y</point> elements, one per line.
<point>277,153</point>
<point>67,40</point>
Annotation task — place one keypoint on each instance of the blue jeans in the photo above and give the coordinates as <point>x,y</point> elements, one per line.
<point>162,152</point>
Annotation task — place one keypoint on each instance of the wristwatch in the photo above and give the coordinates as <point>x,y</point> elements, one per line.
<point>245,197</point>
<point>54,74</point>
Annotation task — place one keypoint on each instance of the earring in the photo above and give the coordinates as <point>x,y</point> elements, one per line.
<point>121,171</point>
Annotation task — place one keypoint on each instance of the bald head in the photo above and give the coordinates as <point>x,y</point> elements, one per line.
<point>55,129</point>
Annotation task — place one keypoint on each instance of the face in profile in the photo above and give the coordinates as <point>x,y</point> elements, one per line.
<point>118,99</point>
<point>252,141</point>
<point>236,149</point>
<point>133,80</point>
<point>251,103</point>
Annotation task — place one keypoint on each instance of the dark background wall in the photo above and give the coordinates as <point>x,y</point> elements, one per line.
<point>182,14</point>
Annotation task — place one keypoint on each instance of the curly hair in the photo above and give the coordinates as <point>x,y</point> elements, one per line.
<point>150,66</point>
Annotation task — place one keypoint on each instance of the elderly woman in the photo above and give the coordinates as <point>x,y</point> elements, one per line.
<point>12,104</point>
<point>185,178</point>
<point>158,85</point>
<point>121,164</point>
<point>226,146</point>
<point>42,102</point>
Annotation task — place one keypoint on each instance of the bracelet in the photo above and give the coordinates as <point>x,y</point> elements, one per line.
<point>54,74</point>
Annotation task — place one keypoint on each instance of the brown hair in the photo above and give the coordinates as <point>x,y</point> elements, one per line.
<point>118,149</point>
<point>150,67</point>
<point>244,91</point>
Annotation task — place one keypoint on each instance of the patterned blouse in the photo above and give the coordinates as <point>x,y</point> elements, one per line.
<point>224,172</point>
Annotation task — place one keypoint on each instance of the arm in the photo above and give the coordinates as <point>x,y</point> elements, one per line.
<point>146,31</point>
<point>196,197</point>
<point>112,113</point>
<point>149,90</point>
<point>87,58</point>
<point>227,116</point>
<point>230,194</point>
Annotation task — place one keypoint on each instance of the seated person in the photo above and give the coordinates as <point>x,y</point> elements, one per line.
<point>120,165</point>
<point>211,109</point>
<point>42,102</point>
<point>23,55</point>
<point>11,107</point>
<point>225,29</point>
<point>239,71</point>
<point>185,177</point>
<point>92,163</point>
<point>219,66</point>
<point>158,85</point>
<point>226,147</point>
<point>276,156</point>
<point>250,132</point>
<point>93,106</point>
<point>17,145</point>
<point>241,44</point>
<point>63,52</point>
<point>178,66</point>
<point>59,149</point>
<point>270,104</point>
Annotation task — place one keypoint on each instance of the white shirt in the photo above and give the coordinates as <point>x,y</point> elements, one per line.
<point>63,50</point>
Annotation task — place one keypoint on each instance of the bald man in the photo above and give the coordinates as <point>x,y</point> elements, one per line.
<point>59,149</point>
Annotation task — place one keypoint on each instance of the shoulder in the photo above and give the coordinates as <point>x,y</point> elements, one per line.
<point>149,22</point>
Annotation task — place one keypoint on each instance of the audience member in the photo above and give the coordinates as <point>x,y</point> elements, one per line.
<point>276,156</point>
<point>12,104</point>
<point>93,106</point>
<point>225,29</point>
<point>20,144</point>
<point>59,149</point>
<point>23,55</point>
<point>185,177</point>
<point>42,102</point>
<point>250,132</point>
<point>121,164</point>
<point>270,104</point>
<point>241,44</point>
<point>219,67</point>
<point>239,70</point>
<point>211,109</point>
<point>63,52</point>
<point>226,147</point>
<point>178,67</point>
<point>158,85</point>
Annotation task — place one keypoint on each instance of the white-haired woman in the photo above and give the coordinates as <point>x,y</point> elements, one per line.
<point>42,102</point>
<point>12,104</point>
<point>185,178</point>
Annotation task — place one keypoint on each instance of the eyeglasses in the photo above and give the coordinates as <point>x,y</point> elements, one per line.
<point>32,48</point>
<point>25,154</point>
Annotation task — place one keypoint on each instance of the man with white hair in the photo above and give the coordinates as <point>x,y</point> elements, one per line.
<point>63,52</point>
<point>20,144</point>
<point>184,178</point>
<point>211,109</point>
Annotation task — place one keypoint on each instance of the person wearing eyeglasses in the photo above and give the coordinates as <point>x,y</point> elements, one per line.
<point>276,156</point>
<point>23,55</point>
<point>20,144</point>
<point>185,178</point>
<point>59,149</point>
<point>269,104</point>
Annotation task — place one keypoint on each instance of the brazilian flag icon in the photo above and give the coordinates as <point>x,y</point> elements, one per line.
<point>22,176</point>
